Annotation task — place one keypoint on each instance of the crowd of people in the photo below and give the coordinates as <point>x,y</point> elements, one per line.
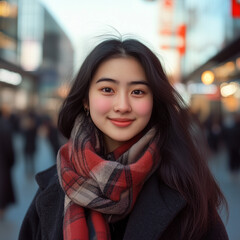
<point>224,131</point>
<point>28,124</point>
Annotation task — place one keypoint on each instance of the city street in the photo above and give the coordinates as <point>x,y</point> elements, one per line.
<point>25,188</point>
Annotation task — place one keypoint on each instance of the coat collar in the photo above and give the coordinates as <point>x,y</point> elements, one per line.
<point>155,208</point>
<point>47,178</point>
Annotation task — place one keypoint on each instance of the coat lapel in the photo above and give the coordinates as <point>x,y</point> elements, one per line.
<point>156,207</point>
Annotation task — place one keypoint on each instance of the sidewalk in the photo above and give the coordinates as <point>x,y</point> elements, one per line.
<point>25,188</point>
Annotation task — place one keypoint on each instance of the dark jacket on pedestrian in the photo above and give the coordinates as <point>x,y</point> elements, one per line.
<point>7,195</point>
<point>155,214</point>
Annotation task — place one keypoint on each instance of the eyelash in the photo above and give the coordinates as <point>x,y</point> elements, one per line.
<point>109,90</point>
<point>141,92</point>
<point>106,88</point>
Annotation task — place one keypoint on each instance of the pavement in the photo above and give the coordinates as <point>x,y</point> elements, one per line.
<point>25,188</point>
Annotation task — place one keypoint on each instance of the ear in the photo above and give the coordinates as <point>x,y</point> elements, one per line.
<point>85,104</point>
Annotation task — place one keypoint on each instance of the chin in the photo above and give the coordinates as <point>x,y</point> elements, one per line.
<point>122,139</point>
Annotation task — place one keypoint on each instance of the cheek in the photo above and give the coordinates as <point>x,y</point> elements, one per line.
<point>144,108</point>
<point>100,105</point>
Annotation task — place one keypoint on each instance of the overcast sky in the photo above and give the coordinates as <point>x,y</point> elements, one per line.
<point>81,18</point>
<point>84,20</point>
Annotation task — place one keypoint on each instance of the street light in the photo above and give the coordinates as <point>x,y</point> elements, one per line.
<point>207,77</point>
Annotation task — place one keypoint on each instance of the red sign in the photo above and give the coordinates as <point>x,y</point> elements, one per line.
<point>236,8</point>
<point>172,36</point>
<point>181,32</point>
<point>214,96</point>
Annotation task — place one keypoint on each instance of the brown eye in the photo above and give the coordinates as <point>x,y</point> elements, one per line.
<point>107,90</point>
<point>137,92</point>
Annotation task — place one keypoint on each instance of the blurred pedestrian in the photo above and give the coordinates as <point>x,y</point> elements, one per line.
<point>29,130</point>
<point>15,121</point>
<point>130,169</point>
<point>232,141</point>
<point>7,195</point>
<point>214,132</point>
<point>52,134</point>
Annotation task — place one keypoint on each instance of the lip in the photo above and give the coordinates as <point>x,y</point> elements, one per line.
<point>121,122</point>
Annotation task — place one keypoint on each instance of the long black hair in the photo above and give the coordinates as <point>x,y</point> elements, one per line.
<point>182,166</point>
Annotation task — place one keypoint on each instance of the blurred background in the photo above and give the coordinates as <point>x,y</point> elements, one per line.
<point>42,45</point>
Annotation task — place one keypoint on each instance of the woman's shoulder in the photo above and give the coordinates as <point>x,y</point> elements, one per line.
<point>44,216</point>
<point>216,230</point>
<point>156,207</point>
<point>47,178</point>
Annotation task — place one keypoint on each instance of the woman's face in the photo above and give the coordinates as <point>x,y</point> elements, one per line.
<point>120,100</point>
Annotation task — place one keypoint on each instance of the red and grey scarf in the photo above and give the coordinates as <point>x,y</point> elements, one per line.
<point>97,190</point>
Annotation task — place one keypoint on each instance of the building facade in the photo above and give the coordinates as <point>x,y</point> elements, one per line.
<point>36,56</point>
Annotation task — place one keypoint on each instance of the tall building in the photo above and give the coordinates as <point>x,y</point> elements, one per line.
<point>36,56</point>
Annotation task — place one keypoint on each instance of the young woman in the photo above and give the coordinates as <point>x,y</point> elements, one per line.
<point>131,169</point>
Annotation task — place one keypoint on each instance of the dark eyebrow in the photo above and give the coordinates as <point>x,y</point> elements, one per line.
<point>106,80</point>
<point>139,82</point>
<point>116,81</point>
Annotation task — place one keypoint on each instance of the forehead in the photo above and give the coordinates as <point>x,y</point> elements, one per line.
<point>120,67</point>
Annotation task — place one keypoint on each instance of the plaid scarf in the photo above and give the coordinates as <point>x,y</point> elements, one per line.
<point>97,190</point>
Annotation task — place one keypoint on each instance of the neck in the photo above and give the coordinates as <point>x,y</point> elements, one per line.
<point>111,145</point>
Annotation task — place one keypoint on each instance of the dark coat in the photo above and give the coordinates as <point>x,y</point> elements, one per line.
<point>6,163</point>
<point>157,206</point>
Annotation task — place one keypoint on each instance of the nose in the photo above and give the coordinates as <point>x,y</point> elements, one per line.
<point>122,103</point>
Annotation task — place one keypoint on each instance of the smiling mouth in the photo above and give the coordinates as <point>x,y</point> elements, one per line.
<point>121,122</point>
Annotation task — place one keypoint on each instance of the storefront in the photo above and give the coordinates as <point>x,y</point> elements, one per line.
<point>18,88</point>
<point>215,85</point>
